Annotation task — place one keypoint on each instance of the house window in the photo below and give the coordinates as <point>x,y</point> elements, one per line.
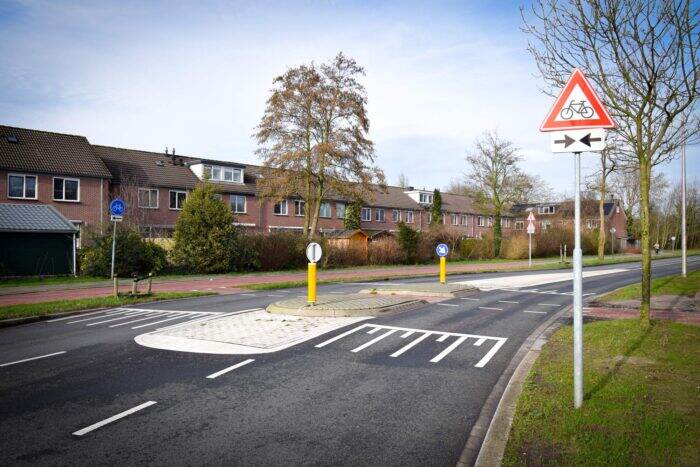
<point>21,186</point>
<point>464,219</point>
<point>480,221</point>
<point>340,210</point>
<point>545,224</point>
<point>66,189</point>
<point>299,207</point>
<point>546,209</point>
<point>409,217</point>
<point>177,199</point>
<point>379,215</point>
<point>238,204</point>
<point>148,198</point>
<point>280,208</point>
<point>592,223</point>
<point>506,222</point>
<point>325,210</point>
<point>223,174</point>
<point>366,214</point>
<point>455,219</point>
<point>425,198</point>
<point>519,225</point>
<point>396,215</point>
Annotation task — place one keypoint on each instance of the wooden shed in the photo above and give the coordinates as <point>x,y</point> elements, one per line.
<point>349,239</point>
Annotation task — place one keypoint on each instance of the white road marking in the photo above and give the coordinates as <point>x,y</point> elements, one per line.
<point>33,358</point>
<point>507,301</point>
<point>373,330</point>
<point>335,293</point>
<point>449,349</point>
<point>127,316</point>
<point>114,313</point>
<point>496,347</point>
<point>162,321</point>
<point>374,341</point>
<point>490,308</point>
<point>479,342</point>
<point>274,295</point>
<point>413,343</point>
<point>532,311</point>
<point>338,337</point>
<point>151,316</point>
<point>446,304</point>
<point>78,315</point>
<point>113,418</point>
<point>173,311</point>
<point>406,334</point>
<point>442,338</point>
<point>226,370</point>
<point>549,304</point>
<point>247,294</point>
<point>468,298</point>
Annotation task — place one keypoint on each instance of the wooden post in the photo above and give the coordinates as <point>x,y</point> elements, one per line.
<point>150,279</point>
<point>116,286</point>
<point>134,286</point>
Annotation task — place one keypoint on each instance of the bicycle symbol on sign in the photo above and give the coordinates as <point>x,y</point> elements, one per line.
<point>578,107</point>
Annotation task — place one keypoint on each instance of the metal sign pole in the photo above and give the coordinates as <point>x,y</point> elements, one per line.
<point>114,243</point>
<point>684,245</point>
<point>578,285</point>
<point>529,251</point>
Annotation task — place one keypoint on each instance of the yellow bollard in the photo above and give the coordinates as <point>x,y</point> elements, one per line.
<point>312,284</point>
<point>443,267</point>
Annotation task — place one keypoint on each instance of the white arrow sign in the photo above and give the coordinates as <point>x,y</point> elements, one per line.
<point>578,140</point>
<point>313,252</point>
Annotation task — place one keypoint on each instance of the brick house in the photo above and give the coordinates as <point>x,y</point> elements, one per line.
<point>59,170</point>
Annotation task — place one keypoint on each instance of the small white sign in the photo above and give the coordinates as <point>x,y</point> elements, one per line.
<point>313,252</point>
<point>531,217</point>
<point>531,228</point>
<point>114,218</point>
<point>592,140</point>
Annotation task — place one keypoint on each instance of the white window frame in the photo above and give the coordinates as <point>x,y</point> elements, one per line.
<point>489,221</point>
<point>425,198</point>
<point>480,221</point>
<point>396,215</point>
<point>297,203</point>
<point>379,215</point>
<point>176,208</point>
<point>338,214</point>
<point>368,218</point>
<point>281,204</point>
<point>234,206</point>
<point>549,209</point>
<point>506,222</point>
<point>65,179</point>
<point>150,198</point>
<point>544,225</point>
<point>222,171</point>
<point>455,219</point>
<point>24,185</point>
<point>464,220</point>
<point>325,204</point>
<point>592,223</point>
<point>409,217</point>
<point>519,224</point>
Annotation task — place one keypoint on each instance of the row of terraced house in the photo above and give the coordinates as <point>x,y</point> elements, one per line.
<point>79,179</point>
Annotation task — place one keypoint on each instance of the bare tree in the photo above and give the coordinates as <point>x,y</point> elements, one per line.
<point>643,56</point>
<point>495,181</point>
<point>599,185</point>
<point>313,139</point>
<point>403,181</point>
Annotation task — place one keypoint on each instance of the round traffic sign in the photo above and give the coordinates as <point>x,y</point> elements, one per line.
<point>442,250</point>
<point>313,252</point>
<point>117,207</point>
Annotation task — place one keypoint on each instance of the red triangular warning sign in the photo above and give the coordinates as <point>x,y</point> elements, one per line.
<point>577,106</point>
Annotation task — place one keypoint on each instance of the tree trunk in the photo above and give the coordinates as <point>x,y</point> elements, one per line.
<point>644,185</point>
<point>601,226</point>
<point>497,233</point>
<point>314,212</point>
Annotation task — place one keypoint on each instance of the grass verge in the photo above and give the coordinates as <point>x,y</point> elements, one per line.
<point>641,403</point>
<point>670,285</point>
<point>59,306</point>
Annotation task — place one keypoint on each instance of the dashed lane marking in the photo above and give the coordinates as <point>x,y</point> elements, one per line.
<point>469,298</point>
<point>533,311</point>
<point>490,308</point>
<point>507,301</point>
<point>424,334</point>
<point>446,304</point>
<point>549,304</point>
<point>113,418</point>
<point>231,368</point>
<point>33,358</point>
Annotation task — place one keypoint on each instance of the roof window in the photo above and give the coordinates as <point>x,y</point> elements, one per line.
<point>12,139</point>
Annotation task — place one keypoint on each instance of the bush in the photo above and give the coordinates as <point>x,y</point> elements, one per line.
<point>633,250</point>
<point>205,237</point>
<point>274,251</point>
<point>384,251</point>
<point>344,256</point>
<point>408,240</point>
<point>133,254</point>
<point>435,235</point>
<point>515,247</point>
<point>477,248</point>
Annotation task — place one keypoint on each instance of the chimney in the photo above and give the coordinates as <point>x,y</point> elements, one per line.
<point>172,157</point>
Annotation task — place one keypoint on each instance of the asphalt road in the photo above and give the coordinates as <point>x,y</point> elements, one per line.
<point>347,402</point>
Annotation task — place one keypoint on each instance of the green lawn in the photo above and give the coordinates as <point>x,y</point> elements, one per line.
<point>58,306</point>
<point>670,285</point>
<point>641,403</point>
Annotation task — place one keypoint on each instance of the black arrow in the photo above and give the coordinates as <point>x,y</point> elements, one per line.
<point>568,141</point>
<point>587,140</point>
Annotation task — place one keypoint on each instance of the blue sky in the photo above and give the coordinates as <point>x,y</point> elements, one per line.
<point>195,76</point>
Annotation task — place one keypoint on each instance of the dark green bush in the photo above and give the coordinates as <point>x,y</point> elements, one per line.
<point>133,254</point>
<point>409,240</point>
<point>273,251</point>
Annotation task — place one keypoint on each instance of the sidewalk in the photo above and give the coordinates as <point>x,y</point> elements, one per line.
<point>234,283</point>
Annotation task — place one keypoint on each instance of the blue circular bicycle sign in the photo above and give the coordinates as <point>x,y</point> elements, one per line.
<point>117,207</point>
<point>442,250</point>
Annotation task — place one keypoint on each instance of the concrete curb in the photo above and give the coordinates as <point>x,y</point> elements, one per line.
<point>487,440</point>
<point>315,312</point>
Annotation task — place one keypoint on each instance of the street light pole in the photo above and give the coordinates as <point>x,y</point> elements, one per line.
<point>578,287</point>
<point>684,246</point>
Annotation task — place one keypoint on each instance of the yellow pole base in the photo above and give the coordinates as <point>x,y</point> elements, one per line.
<point>312,284</point>
<point>443,269</point>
